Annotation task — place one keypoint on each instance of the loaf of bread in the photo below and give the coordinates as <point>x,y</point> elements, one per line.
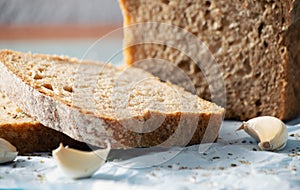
<point>28,135</point>
<point>94,102</point>
<point>255,44</point>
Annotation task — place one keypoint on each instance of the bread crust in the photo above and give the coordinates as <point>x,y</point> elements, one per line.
<point>33,137</point>
<point>291,40</point>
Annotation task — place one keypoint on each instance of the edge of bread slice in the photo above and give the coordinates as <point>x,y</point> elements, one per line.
<point>94,102</point>
<point>28,135</point>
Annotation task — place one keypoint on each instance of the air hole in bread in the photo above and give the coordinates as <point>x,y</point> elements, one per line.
<point>257,75</point>
<point>260,28</point>
<point>259,113</point>
<point>68,88</point>
<point>246,69</point>
<point>161,80</point>
<point>247,65</point>
<point>37,77</point>
<point>207,3</point>
<point>207,12</point>
<point>165,1</point>
<point>195,68</point>
<point>40,69</point>
<point>184,64</point>
<point>258,103</point>
<point>48,86</point>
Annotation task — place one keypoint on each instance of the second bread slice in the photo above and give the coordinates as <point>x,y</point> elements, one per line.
<point>94,102</point>
<point>28,135</point>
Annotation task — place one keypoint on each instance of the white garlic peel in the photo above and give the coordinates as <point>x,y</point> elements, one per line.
<point>270,131</point>
<point>8,152</point>
<point>79,164</point>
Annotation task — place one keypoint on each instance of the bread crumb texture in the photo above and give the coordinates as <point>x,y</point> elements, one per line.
<point>255,43</point>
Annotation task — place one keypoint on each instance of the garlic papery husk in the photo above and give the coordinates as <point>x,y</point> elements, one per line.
<point>270,131</point>
<point>8,152</point>
<point>79,164</point>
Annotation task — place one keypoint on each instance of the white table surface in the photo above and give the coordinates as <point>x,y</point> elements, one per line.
<point>231,163</point>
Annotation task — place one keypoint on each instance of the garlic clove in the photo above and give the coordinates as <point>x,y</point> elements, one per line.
<point>6,146</point>
<point>79,164</point>
<point>270,131</point>
<point>7,156</point>
<point>8,152</point>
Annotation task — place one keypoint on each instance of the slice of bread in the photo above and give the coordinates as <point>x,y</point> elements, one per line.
<point>28,135</point>
<point>94,102</point>
<point>255,43</point>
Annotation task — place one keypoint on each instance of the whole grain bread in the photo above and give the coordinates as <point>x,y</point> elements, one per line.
<point>28,135</point>
<point>255,43</point>
<point>93,102</point>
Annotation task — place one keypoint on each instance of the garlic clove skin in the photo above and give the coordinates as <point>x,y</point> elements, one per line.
<point>79,164</point>
<point>8,152</point>
<point>7,156</point>
<point>6,146</point>
<point>270,131</point>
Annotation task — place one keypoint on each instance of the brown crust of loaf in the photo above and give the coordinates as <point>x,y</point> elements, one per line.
<point>95,130</point>
<point>292,42</point>
<point>31,137</point>
<point>129,51</point>
<point>271,91</point>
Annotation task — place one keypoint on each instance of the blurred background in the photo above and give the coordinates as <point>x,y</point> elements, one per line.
<point>68,27</point>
